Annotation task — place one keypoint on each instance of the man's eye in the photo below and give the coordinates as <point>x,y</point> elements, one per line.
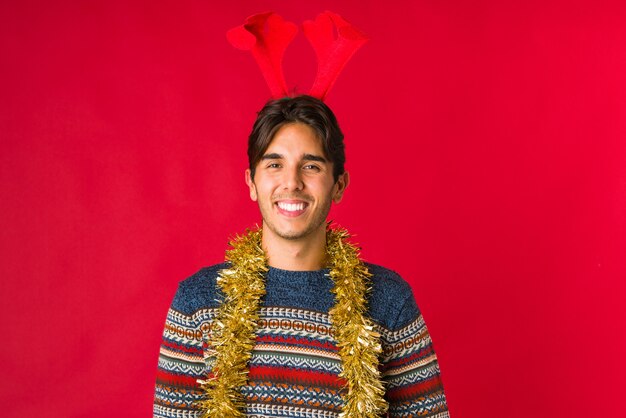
<point>273,165</point>
<point>311,167</point>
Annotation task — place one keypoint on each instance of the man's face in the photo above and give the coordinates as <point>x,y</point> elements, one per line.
<point>294,184</point>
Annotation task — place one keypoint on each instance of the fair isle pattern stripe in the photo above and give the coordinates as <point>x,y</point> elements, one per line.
<point>432,406</point>
<point>260,410</point>
<point>296,362</point>
<point>160,411</point>
<point>275,348</point>
<point>277,392</point>
<point>397,342</point>
<point>295,366</point>
<point>422,374</point>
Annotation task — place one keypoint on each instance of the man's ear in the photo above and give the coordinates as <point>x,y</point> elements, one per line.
<point>251,185</point>
<point>340,186</point>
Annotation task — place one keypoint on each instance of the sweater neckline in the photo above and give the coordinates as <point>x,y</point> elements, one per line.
<point>299,277</point>
<point>277,270</point>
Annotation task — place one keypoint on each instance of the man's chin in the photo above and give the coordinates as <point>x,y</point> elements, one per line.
<point>293,234</point>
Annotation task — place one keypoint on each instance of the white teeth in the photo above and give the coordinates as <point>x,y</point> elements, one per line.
<point>291,207</point>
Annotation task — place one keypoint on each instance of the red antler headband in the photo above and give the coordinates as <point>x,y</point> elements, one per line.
<point>267,35</point>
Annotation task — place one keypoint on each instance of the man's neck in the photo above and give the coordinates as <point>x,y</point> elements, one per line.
<point>306,254</point>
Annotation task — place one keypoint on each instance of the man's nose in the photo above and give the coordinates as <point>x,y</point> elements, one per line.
<point>293,179</point>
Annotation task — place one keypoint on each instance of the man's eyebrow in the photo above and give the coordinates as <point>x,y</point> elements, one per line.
<point>305,157</point>
<point>272,156</point>
<point>311,157</point>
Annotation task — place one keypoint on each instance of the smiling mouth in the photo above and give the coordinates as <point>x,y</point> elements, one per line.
<point>291,208</point>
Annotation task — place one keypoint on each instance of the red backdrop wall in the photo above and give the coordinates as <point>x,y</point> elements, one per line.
<point>486,143</point>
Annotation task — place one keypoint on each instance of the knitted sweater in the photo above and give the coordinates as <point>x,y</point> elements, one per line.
<point>295,364</point>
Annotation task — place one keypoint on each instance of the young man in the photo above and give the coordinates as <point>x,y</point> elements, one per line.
<point>294,324</point>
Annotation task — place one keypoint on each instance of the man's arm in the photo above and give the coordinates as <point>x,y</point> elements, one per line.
<point>181,363</point>
<point>410,368</point>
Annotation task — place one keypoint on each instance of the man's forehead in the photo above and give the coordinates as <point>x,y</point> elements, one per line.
<point>304,157</point>
<point>295,139</point>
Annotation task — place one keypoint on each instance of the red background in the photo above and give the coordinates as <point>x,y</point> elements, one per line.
<point>486,143</point>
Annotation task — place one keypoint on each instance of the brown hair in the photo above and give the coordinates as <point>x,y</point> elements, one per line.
<point>300,109</point>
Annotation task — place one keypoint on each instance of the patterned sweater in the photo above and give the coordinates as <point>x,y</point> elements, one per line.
<point>295,364</point>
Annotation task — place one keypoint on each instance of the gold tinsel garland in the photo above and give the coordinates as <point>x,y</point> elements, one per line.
<point>233,332</point>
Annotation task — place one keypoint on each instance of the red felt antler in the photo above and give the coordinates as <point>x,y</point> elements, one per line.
<point>332,52</point>
<point>267,36</point>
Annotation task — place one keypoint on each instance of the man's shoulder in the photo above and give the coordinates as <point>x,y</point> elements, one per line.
<point>391,303</point>
<point>199,290</point>
<point>387,280</point>
<point>203,277</point>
